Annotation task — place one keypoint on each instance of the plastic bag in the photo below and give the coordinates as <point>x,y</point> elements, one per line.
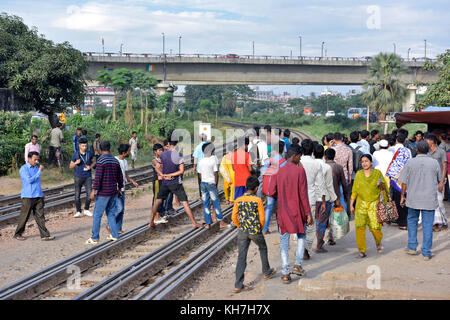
<point>339,223</point>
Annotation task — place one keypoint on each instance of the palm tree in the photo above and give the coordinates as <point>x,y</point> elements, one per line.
<point>384,90</point>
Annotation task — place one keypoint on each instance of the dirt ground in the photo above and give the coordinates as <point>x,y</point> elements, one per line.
<point>333,275</point>
<point>22,258</point>
<point>337,274</point>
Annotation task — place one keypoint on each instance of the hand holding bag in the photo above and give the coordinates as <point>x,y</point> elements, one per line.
<point>386,212</point>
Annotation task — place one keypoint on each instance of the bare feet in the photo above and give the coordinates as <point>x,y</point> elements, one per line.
<point>197,225</point>
<point>223,224</point>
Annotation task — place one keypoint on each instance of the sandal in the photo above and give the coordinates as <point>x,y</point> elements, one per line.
<point>271,274</point>
<point>48,238</point>
<point>331,242</point>
<point>244,288</point>
<point>361,255</point>
<point>380,248</point>
<point>298,270</point>
<point>286,279</point>
<point>403,228</point>
<point>91,241</point>
<point>20,238</point>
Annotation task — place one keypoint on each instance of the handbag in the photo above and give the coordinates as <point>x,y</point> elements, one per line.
<point>386,212</point>
<point>339,223</point>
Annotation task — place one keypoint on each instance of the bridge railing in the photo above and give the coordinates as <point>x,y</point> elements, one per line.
<point>232,57</point>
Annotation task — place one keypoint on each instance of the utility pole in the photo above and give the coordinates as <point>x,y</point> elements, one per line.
<point>300,38</point>
<point>394,48</point>
<point>103,46</point>
<point>253,45</point>
<point>409,49</point>
<point>121,45</point>
<point>179,46</point>
<point>322,48</point>
<point>425,47</point>
<point>164,43</point>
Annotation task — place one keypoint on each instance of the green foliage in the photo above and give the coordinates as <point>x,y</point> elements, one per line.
<point>384,90</point>
<point>439,92</point>
<point>101,114</point>
<point>44,75</point>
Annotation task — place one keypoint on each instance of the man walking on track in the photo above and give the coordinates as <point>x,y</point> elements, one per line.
<point>108,183</point>
<point>294,213</point>
<point>32,197</point>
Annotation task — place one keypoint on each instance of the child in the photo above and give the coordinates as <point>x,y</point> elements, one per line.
<point>157,166</point>
<point>248,216</point>
<point>209,177</point>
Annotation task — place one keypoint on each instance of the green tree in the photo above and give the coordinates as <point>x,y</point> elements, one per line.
<point>439,92</point>
<point>46,77</point>
<point>384,90</point>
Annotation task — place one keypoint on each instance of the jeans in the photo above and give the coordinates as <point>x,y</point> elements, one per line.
<point>342,200</point>
<point>271,202</point>
<point>243,242</point>
<point>284,251</point>
<point>427,228</point>
<point>109,205</point>
<point>87,183</point>
<point>209,192</point>
<point>119,217</point>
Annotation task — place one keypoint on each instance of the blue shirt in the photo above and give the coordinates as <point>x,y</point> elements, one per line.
<point>31,181</point>
<point>198,153</point>
<point>287,144</point>
<point>86,160</point>
<point>75,143</point>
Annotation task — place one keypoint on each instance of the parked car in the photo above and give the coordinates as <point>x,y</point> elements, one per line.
<point>330,113</point>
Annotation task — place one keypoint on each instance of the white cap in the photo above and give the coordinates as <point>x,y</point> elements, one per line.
<point>383,143</point>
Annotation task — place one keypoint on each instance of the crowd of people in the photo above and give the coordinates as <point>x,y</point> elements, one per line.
<point>300,181</point>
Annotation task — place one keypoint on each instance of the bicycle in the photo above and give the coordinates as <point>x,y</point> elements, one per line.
<point>59,159</point>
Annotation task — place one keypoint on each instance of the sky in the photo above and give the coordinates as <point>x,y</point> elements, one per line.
<point>348,28</point>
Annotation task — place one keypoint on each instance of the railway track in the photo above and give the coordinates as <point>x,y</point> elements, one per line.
<point>64,196</point>
<point>114,270</point>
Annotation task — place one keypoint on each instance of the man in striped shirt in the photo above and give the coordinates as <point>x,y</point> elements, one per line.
<point>108,183</point>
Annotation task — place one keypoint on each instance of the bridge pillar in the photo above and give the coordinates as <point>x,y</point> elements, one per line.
<point>163,87</point>
<point>410,99</point>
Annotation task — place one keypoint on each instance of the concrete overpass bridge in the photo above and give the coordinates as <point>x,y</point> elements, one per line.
<point>252,70</point>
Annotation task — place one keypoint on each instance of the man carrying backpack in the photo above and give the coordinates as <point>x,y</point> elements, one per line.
<point>257,149</point>
<point>268,172</point>
<point>357,152</point>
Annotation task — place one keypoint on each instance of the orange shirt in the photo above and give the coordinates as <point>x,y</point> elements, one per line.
<point>241,161</point>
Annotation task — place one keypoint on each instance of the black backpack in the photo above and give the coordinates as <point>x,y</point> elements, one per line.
<point>357,155</point>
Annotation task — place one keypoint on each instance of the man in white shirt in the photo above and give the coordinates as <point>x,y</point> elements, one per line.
<point>208,171</point>
<point>316,189</point>
<point>258,152</point>
<point>134,147</point>
<point>330,197</point>
<point>382,158</point>
<point>363,142</point>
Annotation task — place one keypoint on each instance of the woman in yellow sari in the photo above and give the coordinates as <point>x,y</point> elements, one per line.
<point>227,172</point>
<point>366,191</point>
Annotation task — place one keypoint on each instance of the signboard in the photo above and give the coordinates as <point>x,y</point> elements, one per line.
<point>206,129</point>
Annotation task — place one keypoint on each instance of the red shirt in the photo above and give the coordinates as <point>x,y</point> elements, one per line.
<point>241,161</point>
<point>291,190</point>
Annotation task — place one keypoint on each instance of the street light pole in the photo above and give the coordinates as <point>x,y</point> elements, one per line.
<point>253,46</point>
<point>164,44</point>
<point>179,46</point>
<point>121,45</point>
<point>409,49</point>
<point>394,48</point>
<point>425,47</point>
<point>322,48</point>
<point>300,45</point>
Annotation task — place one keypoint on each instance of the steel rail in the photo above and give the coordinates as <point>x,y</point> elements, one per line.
<point>172,281</point>
<point>125,280</point>
<point>55,274</point>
